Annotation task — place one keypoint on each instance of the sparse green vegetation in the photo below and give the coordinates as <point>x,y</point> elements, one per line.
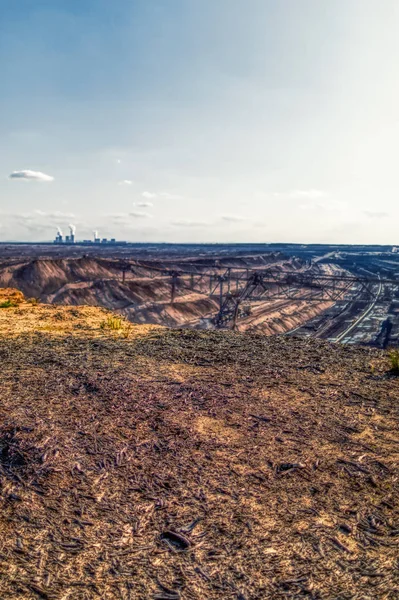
<point>115,323</point>
<point>7,304</point>
<point>393,356</point>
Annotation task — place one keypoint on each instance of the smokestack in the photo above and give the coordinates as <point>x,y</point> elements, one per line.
<point>72,229</point>
<point>58,237</point>
<point>96,236</point>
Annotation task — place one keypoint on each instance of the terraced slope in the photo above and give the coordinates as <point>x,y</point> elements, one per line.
<point>144,463</point>
<point>143,293</point>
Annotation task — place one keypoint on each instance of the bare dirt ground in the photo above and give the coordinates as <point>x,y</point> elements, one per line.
<point>144,463</point>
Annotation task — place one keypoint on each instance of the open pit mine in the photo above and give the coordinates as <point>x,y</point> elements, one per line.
<point>341,294</point>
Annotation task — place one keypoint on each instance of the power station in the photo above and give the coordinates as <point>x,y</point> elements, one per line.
<point>70,239</point>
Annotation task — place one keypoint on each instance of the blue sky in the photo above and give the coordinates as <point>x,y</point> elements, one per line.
<point>200,120</point>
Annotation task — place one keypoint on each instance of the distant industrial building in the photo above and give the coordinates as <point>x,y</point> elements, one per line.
<point>102,242</point>
<point>70,239</point>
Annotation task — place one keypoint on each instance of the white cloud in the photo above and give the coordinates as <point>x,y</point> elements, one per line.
<point>375,214</point>
<point>30,175</point>
<point>116,216</point>
<point>164,195</point>
<point>188,223</point>
<point>117,220</point>
<point>139,215</point>
<point>233,218</point>
<point>311,207</point>
<point>168,196</point>
<point>328,205</point>
<point>311,194</point>
<point>39,216</point>
<point>143,204</point>
<point>124,217</point>
<point>54,215</point>
<point>125,182</point>
<point>37,222</point>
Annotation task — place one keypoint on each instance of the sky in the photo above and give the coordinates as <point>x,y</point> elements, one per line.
<point>200,120</point>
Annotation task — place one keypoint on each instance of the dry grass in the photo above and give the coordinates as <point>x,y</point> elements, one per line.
<point>393,356</point>
<point>192,465</point>
<point>30,317</point>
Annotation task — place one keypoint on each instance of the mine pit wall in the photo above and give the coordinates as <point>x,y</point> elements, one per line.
<point>286,319</point>
<point>180,314</point>
<point>143,298</point>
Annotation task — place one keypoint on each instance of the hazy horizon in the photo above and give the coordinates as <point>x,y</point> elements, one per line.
<point>200,121</point>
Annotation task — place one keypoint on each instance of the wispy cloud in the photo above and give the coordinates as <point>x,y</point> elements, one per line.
<point>164,195</point>
<point>311,194</point>
<point>233,218</point>
<point>54,215</point>
<point>38,216</point>
<point>143,204</point>
<point>116,216</point>
<point>189,223</point>
<point>126,216</point>
<point>39,222</point>
<point>30,175</point>
<point>139,215</point>
<point>325,205</point>
<point>168,196</point>
<point>125,182</point>
<point>375,214</point>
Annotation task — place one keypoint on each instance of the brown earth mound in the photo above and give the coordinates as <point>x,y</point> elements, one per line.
<point>144,463</point>
<point>11,296</point>
<point>114,294</point>
<point>39,277</point>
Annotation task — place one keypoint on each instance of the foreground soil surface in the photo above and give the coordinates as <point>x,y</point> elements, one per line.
<point>144,463</point>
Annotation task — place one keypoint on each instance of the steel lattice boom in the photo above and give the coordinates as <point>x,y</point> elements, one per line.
<point>309,287</point>
<point>233,286</point>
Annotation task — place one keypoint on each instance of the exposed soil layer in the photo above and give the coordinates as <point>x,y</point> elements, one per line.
<point>144,463</point>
